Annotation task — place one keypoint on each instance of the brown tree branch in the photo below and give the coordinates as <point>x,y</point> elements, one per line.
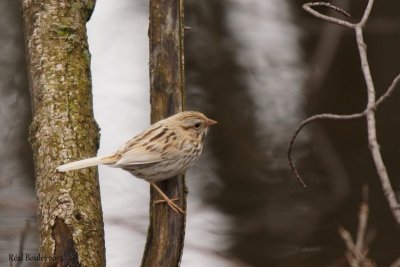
<point>369,112</point>
<point>63,129</point>
<point>166,231</point>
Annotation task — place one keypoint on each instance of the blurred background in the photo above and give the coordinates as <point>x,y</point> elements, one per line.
<point>258,67</point>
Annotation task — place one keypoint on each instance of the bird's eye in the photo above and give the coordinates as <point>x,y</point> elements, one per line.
<point>197,125</point>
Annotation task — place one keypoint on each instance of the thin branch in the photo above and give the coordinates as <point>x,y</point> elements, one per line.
<point>308,7</point>
<point>367,11</point>
<point>308,121</point>
<point>323,116</point>
<point>351,248</point>
<point>389,91</point>
<point>348,240</point>
<point>335,8</point>
<point>369,112</point>
<point>372,139</point>
<point>362,224</point>
<point>326,48</point>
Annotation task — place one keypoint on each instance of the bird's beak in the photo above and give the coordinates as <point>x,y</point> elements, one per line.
<point>210,122</point>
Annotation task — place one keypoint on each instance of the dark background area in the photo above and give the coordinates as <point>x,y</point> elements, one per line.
<point>274,221</point>
<point>334,161</point>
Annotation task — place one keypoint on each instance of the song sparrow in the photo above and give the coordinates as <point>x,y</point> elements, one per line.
<point>164,150</point>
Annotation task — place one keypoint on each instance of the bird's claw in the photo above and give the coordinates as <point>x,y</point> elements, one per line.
<point>170,203</point>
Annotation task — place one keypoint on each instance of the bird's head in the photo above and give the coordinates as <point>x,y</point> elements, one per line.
<point>193,122</point>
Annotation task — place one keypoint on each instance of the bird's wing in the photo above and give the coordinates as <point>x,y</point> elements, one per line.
<point>144,148</point>
<point>140,154</point>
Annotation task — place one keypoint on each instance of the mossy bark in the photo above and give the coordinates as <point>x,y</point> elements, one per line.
<point>166,231</point>
<point>63,129</point>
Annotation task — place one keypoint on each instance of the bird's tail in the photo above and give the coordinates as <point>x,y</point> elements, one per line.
<point>80,164</point>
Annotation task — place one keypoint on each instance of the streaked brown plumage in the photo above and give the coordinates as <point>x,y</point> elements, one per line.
<point>162,151</point>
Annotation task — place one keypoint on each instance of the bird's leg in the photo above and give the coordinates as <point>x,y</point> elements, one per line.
<point>170,202</point>
<point>162,200</point>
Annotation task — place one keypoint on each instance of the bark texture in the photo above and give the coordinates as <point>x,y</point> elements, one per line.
<point>63,129</point>
<point>167,229</point>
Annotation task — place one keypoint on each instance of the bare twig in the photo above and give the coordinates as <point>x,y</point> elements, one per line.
<point>389,91</point>
<point>362,221</point>
<point>372,140</point>
<point>324,53</point>
<point>324,4</point>
<point>357,251</point>
<point>351,248</point>
<point>367,11</point>
<point>304,123</point>
<point>308,7</point>
<point>331,116</point>
<point>369,112</point>
<point>348,240</point>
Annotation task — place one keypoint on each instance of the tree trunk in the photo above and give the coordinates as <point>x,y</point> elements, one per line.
<point>63,130</point>
<point>166,232</point>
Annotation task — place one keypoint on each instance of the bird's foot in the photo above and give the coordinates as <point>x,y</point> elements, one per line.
<point>163,200</point>
<point>170,202</point>
<point>166,199</point>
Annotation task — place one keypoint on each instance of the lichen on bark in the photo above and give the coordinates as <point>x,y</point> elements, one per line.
<point>63,128</point>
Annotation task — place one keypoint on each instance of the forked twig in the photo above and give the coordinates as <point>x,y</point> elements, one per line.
<point>372,104</point>
<point>357,251</point>
<point>330,116</point>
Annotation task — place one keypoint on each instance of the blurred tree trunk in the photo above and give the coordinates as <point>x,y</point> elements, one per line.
<point>166,232</point>
<point>63,129</point>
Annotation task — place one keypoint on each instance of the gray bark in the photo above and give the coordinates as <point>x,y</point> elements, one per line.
<point>63,129</point>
